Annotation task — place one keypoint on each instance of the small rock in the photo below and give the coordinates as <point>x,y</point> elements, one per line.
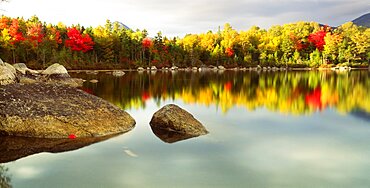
<point>118,73</point>
<point>221,67</point>
<point>140,69</point>
<point>172,118</point>
<point>94,81</point>
<point>153,68</point>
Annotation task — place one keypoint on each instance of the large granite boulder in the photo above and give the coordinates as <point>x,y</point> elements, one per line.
<point>6,75</point>
<point>56,70</point>
<point>56,111</point>
<point>11,68</point>
<point>172,118</point>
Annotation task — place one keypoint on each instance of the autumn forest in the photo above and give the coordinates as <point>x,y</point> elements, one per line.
<point>301,44</point>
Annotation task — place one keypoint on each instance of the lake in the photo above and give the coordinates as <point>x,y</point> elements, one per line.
<point>266,129</point>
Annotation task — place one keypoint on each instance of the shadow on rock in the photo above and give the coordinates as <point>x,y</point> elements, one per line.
<point>13,148</point>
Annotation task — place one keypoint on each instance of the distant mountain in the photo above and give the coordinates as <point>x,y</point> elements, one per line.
<point>123,25</point>
<point>363,20</point>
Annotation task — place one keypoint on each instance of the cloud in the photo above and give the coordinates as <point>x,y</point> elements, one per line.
<point>181,16</point>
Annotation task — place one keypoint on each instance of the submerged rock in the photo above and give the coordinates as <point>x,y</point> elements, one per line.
<point>56,111</point>
<point>175,121</point>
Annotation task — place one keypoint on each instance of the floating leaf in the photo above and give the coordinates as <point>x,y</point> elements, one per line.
<point>130,153</point>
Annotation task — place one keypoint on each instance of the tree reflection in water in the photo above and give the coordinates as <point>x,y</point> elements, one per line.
<point>4,177</point>
<point>295,92</point>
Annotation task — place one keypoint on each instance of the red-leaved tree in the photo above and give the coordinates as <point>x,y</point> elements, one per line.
<point>77,41</point>
<point>14,31</point>
<point>35,34</point>
<point>229,52</point>
<point>4,22</point>
<point>317,39</point>
<point>147,43</point>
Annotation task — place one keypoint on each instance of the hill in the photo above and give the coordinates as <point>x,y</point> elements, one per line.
<point>363,20</point>
<point>123,25</point>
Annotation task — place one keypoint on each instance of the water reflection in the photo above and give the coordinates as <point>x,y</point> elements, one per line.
<point>257,148</point>
<point>4,177</point>
<point>285,92</point>
<point>170,136</point>
<point>13,148</point>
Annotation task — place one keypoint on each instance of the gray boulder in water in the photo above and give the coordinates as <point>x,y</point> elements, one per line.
<point>172,118</point>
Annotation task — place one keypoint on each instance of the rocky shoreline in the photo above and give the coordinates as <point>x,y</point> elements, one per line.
<point>47,104</point>
<point>221,69</point>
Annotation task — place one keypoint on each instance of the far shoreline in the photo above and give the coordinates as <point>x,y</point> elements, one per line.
<point>200,69</point>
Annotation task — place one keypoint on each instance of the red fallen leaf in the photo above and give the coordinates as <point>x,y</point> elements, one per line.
<point>87,90</point>
<point>72,136</point>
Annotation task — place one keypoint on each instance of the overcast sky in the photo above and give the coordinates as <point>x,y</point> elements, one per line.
<point>179,17</point>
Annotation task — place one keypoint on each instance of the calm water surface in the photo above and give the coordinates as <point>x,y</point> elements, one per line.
<point>295,129</point>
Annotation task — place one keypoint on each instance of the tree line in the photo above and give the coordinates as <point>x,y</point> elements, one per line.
<point>300,44</point>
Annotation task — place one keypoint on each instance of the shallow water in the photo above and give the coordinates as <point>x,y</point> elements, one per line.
<point>295,129</point>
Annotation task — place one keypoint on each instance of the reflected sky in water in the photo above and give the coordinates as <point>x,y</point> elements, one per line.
<point>245,148</point>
